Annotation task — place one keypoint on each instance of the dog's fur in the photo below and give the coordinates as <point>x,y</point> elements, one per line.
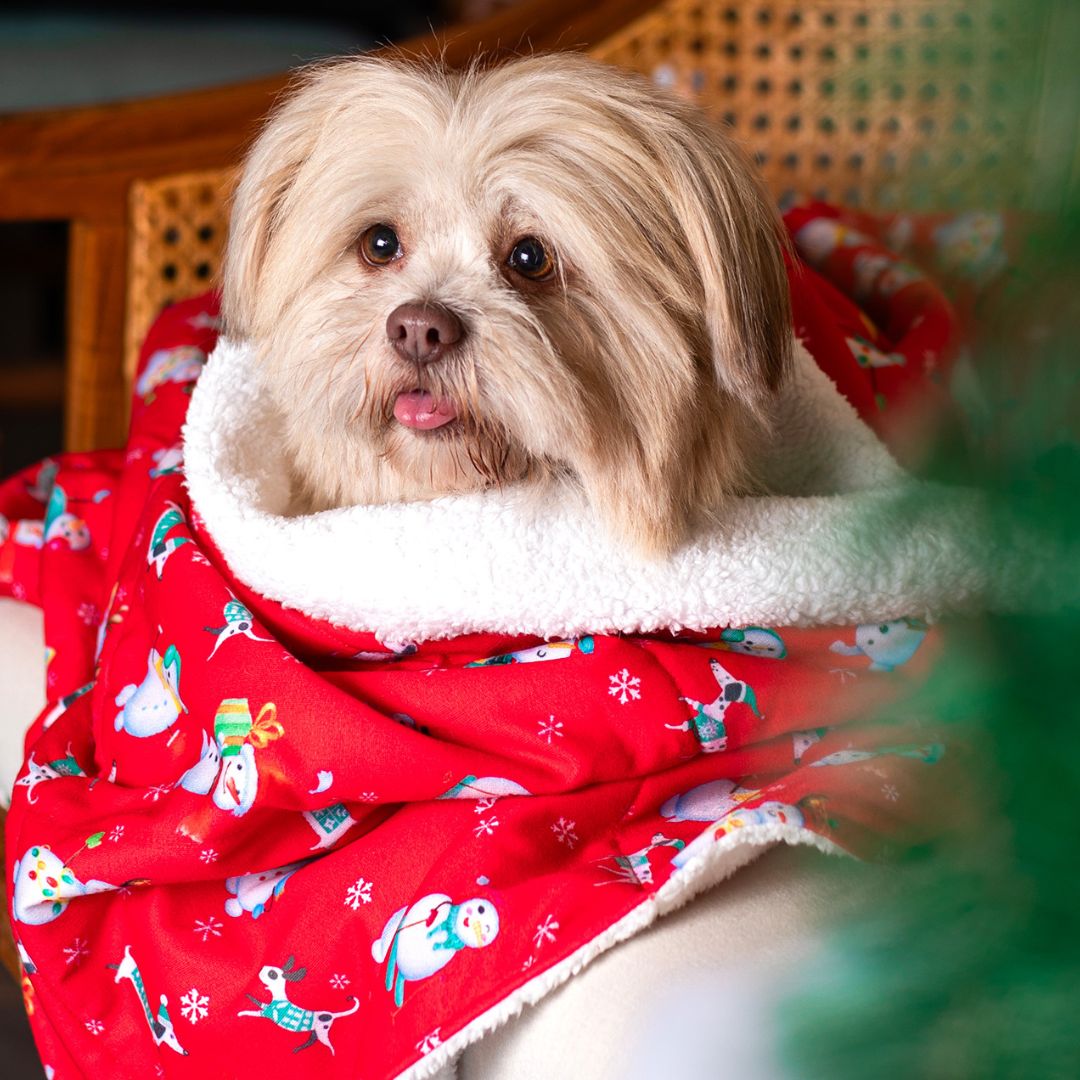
<point>643,369</point>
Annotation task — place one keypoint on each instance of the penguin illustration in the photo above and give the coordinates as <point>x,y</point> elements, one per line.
<point>161,544</point>
<point>154,705</point>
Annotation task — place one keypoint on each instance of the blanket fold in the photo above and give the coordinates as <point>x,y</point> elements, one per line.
<point>284,800</point>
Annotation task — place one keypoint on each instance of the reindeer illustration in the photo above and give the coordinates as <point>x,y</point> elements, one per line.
<point>291,1017</point>
<point>161,1027</point>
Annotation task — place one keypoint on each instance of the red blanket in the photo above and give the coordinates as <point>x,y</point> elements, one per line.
<point>242,833</point>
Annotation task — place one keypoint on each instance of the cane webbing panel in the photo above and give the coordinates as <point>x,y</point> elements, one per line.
<point>178,227</point>
<point>869,102</point>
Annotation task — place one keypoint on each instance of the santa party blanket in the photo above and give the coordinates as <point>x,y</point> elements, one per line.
<point>333,795</point>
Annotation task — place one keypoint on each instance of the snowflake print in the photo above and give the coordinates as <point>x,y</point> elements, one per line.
<point>18,591</point>
<point>486,826</point>
<point>210,928</point>
<point>75,952</point>
<point>358,893</point>
<point>339,982</point>
<point>95,1027</point>
<point>529,961</point>
<point>199,559</point>
<point>545,931</point>
<point>117,834</point>
<point>208,855</point>
<point>194,1006</point>
<point>550,728</point>
<point>89,614</point>
<point>156,791</point>
<point>485,804</point>
<point>564,832</point>
<point>429,1042</point>
<point>843,674</point>
<point>624,686</point>
<point>890,792</point>
<point>368,796</point>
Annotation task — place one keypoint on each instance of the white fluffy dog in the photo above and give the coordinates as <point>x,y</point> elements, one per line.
<point>547,269</point>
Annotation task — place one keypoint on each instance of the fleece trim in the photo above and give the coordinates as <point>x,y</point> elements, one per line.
<point>846,537</point>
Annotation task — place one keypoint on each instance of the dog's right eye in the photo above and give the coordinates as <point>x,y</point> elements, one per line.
<point>380,245</point>
<point>531,259</point>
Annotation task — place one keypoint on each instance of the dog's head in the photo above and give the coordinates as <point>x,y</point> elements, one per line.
<point>546,268</point>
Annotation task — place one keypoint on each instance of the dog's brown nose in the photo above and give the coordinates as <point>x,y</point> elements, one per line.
<point>423,332</point>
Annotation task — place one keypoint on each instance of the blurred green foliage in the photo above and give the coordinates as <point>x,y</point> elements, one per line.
<point>971,968</point>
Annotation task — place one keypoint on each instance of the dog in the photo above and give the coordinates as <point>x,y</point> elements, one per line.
<point>544,271</point>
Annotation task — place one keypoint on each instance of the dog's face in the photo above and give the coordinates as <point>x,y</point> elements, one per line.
<point>548,268</point>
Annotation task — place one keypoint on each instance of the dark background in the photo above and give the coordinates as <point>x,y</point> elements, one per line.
<point>389,19</point>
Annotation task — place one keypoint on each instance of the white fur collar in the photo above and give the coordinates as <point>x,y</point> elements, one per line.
<point>850,539</point>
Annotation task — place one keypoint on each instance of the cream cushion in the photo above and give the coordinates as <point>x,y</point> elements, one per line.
<point>22,684</point>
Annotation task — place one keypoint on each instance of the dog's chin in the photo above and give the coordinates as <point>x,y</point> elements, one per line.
<point>451,458</point>
<point>424,456</point>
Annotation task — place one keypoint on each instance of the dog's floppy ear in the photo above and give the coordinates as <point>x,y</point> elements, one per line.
<point>736,240</point>
<point>269,171</point>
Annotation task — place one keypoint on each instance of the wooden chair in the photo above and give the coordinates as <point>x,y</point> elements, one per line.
<point>917,103</point>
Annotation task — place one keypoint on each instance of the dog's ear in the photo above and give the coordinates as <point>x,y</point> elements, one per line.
<point>268,192</point>
<point>729,343</point>
<point>269,172</point>
<point>736,241</point>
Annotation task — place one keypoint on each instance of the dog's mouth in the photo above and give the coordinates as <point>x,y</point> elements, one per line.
<point>452,445</point>
<point>419,410</point>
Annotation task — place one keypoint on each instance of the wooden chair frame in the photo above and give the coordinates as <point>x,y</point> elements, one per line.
<point>80,165</point>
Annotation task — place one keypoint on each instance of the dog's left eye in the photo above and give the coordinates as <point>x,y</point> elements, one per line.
<point>531,259</point>
<point>380,245</point>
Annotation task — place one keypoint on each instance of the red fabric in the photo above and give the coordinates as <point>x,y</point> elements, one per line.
<point>909,335</point>
<point>380,796</point>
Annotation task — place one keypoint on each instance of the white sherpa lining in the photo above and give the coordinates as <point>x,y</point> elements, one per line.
<point>848,537</point>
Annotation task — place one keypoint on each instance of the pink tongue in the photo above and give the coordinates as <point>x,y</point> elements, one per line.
<point>418,409</point>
